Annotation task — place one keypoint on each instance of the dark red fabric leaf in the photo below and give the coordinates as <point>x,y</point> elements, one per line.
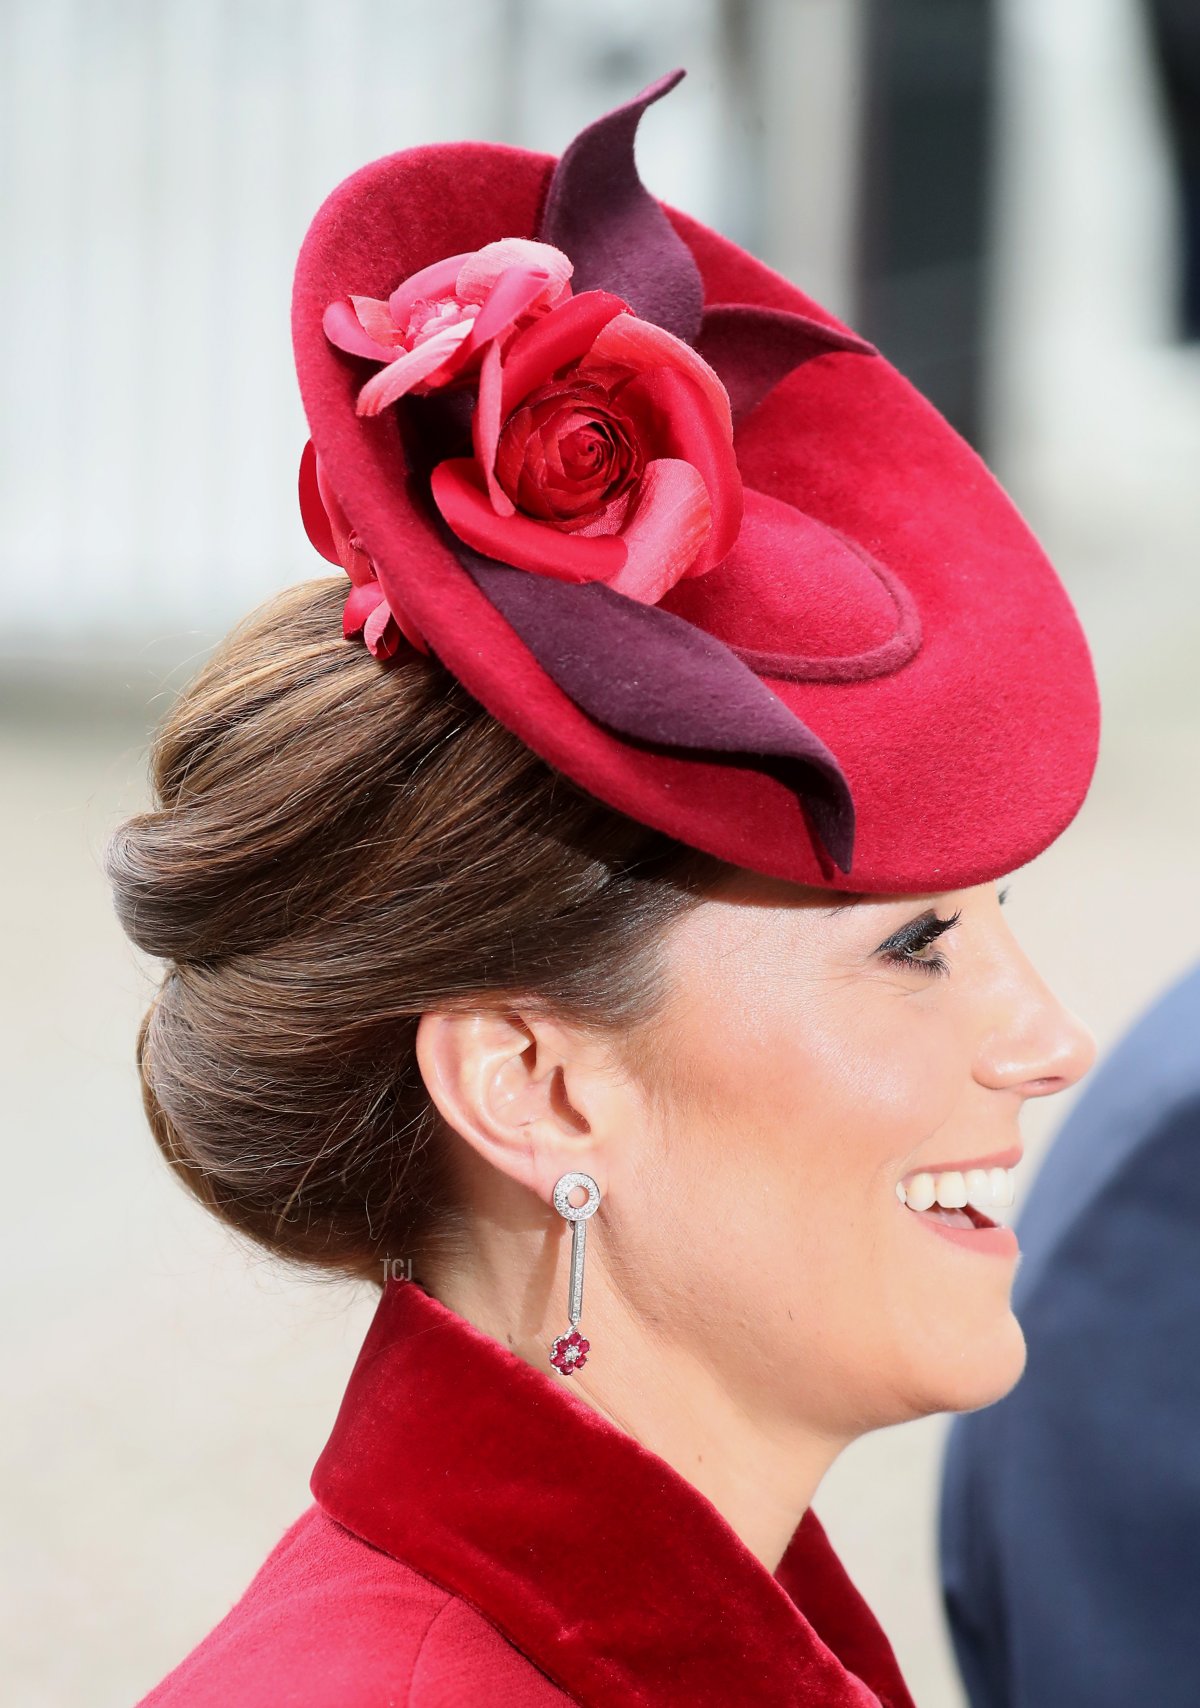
<point>652,676</point>
<point>600,213</point>
<point>753,348</point>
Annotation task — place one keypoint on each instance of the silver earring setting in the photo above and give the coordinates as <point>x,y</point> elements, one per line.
<point>570,1350</point>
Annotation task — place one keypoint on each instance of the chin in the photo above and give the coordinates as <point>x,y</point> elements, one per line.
<point>993,1369</point>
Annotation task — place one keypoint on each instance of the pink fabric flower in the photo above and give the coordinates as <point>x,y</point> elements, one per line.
<point>436,326</point>
<point>603,451</point>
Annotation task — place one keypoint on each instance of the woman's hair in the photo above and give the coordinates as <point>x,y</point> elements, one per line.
<point>335,847</point>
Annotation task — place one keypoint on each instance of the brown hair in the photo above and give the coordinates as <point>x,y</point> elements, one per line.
<point>335,847</point>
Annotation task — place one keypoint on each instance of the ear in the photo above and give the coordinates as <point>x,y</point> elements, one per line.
<point>534,1098</point>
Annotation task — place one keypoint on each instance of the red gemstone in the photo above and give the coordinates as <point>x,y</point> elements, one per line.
<point>569,1352</point>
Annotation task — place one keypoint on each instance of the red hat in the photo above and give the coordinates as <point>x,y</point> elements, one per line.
<point>696,544</point>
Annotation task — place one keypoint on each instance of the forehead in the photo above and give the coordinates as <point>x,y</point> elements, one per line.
<point>750,909</point>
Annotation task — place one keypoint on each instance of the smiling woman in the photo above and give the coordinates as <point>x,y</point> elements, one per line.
<point>582,943</point>
<point>809,1065</point>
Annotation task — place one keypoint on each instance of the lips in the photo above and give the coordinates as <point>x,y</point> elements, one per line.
<point>971,1229</point>
<point>995,1159</point>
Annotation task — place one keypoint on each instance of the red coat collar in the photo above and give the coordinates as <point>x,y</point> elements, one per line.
<point>599,1561</point>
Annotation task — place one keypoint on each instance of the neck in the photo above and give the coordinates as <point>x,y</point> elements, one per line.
<point>760,1476</point>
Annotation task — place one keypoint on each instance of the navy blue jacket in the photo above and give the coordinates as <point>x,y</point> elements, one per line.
<point>1069,1526</point>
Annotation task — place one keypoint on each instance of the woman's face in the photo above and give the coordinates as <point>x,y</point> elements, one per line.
<point>803,1070</point>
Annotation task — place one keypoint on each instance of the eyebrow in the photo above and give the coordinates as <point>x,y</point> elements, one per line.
<point>861,895</point>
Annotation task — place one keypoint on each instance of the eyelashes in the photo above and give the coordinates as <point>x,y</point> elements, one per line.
<point>904,948</point>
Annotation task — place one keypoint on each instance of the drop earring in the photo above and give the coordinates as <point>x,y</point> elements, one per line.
<point>570,1350</point>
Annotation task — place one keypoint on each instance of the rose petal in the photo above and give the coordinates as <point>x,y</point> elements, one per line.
<point>410,369</point>
<point>511,297</point>
<point>610,520</point>
<point>430,283</point>
<point>380,633</point>
<point>343,328</point>
<point>485,428</point>
<point>665,529</point>
<point>566,452</point>
<point>561,336</point>
<point>676,421</point>
<point>317,502</point>
<point>381,625</point>
<point>312,511</point>
<point>360,602</point>
<point>481,271</point>
<point>375,318</point>
<point>639,345</point>
<point>461,496</point>
<point>346,548</point>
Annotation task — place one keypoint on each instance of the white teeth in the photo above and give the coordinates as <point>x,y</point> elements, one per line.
<point>1002,1185</point>
<point>985,1188</point>
<point>950,1190</point>
<point>979,1187</point>
<point>919,1193</point>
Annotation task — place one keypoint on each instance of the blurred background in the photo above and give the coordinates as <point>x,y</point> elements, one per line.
<point>1002,193</point>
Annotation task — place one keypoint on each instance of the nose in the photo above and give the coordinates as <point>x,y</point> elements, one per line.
<point>1037,1046</point>
<point>1067,1059</point>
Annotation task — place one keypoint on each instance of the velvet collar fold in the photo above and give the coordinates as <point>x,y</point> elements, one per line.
<point>592,1555</point>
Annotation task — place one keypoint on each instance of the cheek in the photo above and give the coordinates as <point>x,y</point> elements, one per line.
<point>772,1180</point>
<point>841,1089</point>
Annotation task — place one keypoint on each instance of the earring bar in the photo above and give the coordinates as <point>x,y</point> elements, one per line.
<point>570,1350</point>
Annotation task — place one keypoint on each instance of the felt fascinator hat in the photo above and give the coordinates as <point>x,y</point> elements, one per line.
<point>696,544</point>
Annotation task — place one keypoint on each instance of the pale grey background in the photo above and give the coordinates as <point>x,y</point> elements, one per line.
<point>167,1393</point>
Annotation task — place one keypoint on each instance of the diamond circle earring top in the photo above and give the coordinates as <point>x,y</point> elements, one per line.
<point>570,1350</point>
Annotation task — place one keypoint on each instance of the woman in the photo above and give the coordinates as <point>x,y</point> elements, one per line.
<point>536,941</point>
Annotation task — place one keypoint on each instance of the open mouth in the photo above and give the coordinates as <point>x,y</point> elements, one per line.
<point>961,1197</point>
<point>970,1228</point>
<point>967,1217</point>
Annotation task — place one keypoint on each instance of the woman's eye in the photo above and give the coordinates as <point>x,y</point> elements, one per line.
<point>913,946</point>
<point>932,963</point>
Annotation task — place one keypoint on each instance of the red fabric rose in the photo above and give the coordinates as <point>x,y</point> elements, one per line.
<point>602,444</point>
<point>603,451</point>
<point>568,450</point>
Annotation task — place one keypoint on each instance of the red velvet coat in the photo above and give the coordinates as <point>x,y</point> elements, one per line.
<point>481,1538</point>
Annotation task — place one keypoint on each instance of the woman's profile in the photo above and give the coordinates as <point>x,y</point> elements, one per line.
<point>581,919</point>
